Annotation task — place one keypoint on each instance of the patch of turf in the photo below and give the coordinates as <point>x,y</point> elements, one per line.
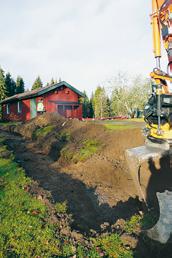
<point>112,246</point>
<point>132,224</point>
<point>119,126</point>
<point>88,148</point>
<point>43,132</point>
<point>139,120</point>
<point>64,137</point>
<point>9,123</point>
<point>23,232</point>
<point>61,207</point>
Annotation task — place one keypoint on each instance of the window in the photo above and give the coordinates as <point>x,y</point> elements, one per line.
<point>19,106</point>
<point>8,109</point>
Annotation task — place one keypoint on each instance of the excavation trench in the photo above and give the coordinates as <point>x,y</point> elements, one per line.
<point>98,189</point>
<point>89,206</point>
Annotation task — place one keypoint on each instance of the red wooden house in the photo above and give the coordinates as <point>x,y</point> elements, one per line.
<point>61,97</point>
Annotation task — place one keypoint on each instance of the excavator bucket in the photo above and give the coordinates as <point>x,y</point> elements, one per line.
<point>151,171</point>
<point>135,158</point>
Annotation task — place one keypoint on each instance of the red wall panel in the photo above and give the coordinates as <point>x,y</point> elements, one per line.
<point>14,115</point>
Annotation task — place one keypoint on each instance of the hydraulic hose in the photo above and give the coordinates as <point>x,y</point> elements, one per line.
<point>160,11</point>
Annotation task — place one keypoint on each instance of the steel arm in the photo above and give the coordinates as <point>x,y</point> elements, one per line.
<point>162,28</point>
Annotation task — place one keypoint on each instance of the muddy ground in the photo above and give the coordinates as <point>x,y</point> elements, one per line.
<point>97,190</point>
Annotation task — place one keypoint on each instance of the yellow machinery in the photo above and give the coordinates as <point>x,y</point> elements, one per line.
<point>153,182</point>
<point>158,111</point>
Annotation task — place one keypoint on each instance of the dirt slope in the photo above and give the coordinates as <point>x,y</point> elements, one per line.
<point>98,189</point>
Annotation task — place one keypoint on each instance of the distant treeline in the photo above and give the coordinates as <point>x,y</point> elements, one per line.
<point>121,96</point>
<point>10,87</point>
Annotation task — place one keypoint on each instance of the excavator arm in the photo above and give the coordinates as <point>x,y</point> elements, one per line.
<point>158,131</point>
<point>161,20</point>
<point>162,29</point>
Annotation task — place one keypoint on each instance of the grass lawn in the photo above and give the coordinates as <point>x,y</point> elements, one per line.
<point>119,126</point>
<point>9,123</point>
<point>25,230</point>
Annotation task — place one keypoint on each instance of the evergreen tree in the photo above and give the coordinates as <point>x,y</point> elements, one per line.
<point>10,85</point>
<point>19,85</point>
<point>85,104</point>
<point>91,107</point>
<point>2,85</point>
<point>37,84</point>
<point>109,110</point>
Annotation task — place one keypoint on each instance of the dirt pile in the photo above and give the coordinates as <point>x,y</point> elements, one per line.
<point>83,163</point>
<point>27,129</point>
<point>87,153</point>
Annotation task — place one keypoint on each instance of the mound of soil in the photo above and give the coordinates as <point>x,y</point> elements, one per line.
<point>105,171</point>
<point>27,129</point>
<point>102,180</point>
<point>99,189</point>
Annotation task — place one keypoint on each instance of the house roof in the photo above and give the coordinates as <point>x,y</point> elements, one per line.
<point>39,92</point>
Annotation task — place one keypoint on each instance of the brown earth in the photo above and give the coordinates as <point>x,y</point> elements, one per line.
<point>97,190</point>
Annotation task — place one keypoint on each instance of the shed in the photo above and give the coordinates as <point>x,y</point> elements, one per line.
<point>60,97</point>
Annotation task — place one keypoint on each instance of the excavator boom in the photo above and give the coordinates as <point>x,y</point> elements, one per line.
<point>158,131</point>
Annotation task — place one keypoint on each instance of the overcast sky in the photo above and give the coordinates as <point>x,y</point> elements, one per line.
<point>85,42</point>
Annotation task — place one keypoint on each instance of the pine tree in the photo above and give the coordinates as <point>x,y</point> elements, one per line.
<point>37,84</point>
<point>85,104</point>
<point>91,106</point>
<point>19,85</point>
<point>109,110</point>
<point>10,85</point>
<point>2,85</point>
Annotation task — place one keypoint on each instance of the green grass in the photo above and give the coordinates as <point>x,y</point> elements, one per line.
<point>88,148</point>
<point>61,207</point>
<point>2,140</point>
<point>23,230</point>
<point>119,126</point>
<point>140,120</point>
<point>112,246</point>
<point>9,123</point>
<point>64,136</point>
<point>132,225</point>
<point>43,132</point>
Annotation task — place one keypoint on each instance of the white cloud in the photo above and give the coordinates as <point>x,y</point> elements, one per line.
<point>83,42</point>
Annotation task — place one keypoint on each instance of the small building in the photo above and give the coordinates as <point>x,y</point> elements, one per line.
<point>61,97</point>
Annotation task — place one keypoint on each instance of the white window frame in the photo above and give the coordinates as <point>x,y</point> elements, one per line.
<point>19,107</point>
<point>8,109</point>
